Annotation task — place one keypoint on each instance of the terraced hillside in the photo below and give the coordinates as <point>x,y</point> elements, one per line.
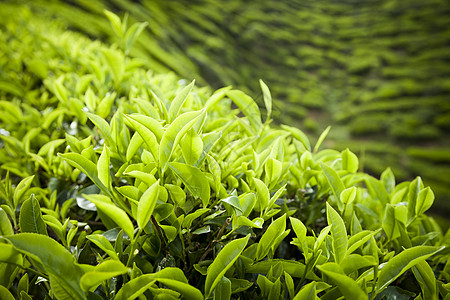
<point>378,70</point>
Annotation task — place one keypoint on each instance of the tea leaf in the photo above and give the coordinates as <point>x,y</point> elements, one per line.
<point>135,143</point>
<point>103,243</point>
<point>170,277</point>
<point>194,180</point>
<point>223,289</point>
<point>147,204</point>
<point>323,234</point>
<point>5,224</point>
<point>21,189</point>
<point>105,270</point>
<point>179,100</point>
<point>30,218</point>
<point>425,199</point>
<point>175,132</point>
<point>335,182</point>
<point>413,191</point>
<point>298,135</point>
<point>132,34</point>
<point>263,195</point>
<point>5,294</point>
<point>147,136</point>
<point>102,125</point>
<point>135,288</point>
<point>308,292</point>
<point>349,161</point>
<point>114,212</point>
<point>300,231</point>
<point>275,229</point>
<point>427,280</point>
<point>321,139</point>
<point>248,107</point>
<point>353,262</point>
<point>192,147</point>
<point>215,170</point>
<point>8,254</point>
<point>338,232</point>
<point>348,287</point>
<point>224,260</point>
<point>103,167</point>
<point>294,268</point>
<point>116,24</point>
<point>115,63</point>
<point>86,166</point>
<point>49,256</point>
<point>267,98</point>
<point>401,263</point>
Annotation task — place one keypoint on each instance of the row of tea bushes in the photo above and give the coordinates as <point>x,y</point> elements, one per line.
<point>118,183</point>
<point>376,70</point>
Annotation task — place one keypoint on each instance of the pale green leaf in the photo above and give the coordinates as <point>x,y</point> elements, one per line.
<point>53,258</point>
<point>103,271</point>
<point>335,182</point>
<point>30,218</point>
<point>86,166</point>
<point>5,294</point>
<point>147,135</point>
<point>115,213</point>
<point>348,287</point>
<point>401,263</point>
<point>103,243</point>
<point>5,224</point>
<point>116,24</point>
<point>191,147</point>
<point>350,161</point>
<point>267,98</point>
<point>275,229</point>
<point>135,143</point>
<point>338,233</point>
<point>21,189</point>
<point>262,195</point>
<point>175,132</point>
<point>248,106</point>
<point>425,199</point>
<point>321,139</point>
<point>103,167</point>
<point>147,204</point>
<point>195,181</point>
<point>178,101</point>
<point>307,292</point>
<point>224,260</point>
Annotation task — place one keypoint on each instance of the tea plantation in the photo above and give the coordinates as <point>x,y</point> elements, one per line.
<point>377,71</point>
<point>122,180</point>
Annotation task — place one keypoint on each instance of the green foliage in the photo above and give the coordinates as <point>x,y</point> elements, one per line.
<point>171,191</point>
<point>368,69</point>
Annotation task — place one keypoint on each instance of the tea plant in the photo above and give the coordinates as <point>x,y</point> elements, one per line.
<point>126,184</point>
<point>376,70</point>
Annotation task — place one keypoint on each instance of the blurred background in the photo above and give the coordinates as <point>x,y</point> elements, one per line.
<point>377,71</point>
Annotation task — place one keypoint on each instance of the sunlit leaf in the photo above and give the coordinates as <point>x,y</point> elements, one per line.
<point>224,260</point>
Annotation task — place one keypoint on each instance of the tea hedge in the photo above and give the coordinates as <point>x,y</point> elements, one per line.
<point>376,70</point>
<point>121,183</point>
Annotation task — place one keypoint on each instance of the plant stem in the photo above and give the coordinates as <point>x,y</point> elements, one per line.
<point>214,242</point>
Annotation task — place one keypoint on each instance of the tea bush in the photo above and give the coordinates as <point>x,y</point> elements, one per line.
<point>121,183</point>
<point>376,70</point>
